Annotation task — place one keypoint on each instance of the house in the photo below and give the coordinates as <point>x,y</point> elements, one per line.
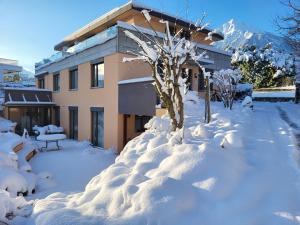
<point>99,98</point>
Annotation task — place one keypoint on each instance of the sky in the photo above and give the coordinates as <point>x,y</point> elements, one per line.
<point>29,29</point>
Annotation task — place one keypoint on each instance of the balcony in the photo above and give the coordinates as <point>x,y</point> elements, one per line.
<point>87,43</point>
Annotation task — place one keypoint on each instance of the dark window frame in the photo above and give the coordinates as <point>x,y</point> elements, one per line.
<point>73,79</point>
<point>95,115</point>
<point>73,124</point>
<point>95,74</point>
<point>41,83</point>
<point>57,115</point>
<point>56,82</point>
<point>139,123</point>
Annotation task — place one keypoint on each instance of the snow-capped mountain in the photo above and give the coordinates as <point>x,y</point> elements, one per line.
<point>238,34</point>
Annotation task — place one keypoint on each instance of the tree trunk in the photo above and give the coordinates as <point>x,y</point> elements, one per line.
<point>207,101</point>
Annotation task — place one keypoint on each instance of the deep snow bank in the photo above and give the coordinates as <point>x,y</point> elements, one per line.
<point>156,181</point>
<point>250,180</point>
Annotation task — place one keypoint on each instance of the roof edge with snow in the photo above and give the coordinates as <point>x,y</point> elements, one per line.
<point>114,13</point>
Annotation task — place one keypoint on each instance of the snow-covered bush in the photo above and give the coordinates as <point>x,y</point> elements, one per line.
<point>225,81</point>
<point>11,207</point>
<point>167,58</point>
<point>263,67</point>
<point>243,90</point>
<point>14,175</point>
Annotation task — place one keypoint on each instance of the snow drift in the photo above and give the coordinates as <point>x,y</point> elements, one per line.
<point>223,173</point>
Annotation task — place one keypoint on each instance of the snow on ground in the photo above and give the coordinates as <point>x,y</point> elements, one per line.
<point>273,94</point>
<point>69,169</point>
<point>239,169</point>
<point>6,125</point>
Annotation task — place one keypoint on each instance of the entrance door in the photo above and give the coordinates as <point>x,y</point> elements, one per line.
<point>73,115</point>
<point>97,114</point>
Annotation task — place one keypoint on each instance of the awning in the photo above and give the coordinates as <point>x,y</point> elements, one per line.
<point>27,97</point>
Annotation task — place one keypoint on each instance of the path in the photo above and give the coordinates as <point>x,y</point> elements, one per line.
<point>273,177</point>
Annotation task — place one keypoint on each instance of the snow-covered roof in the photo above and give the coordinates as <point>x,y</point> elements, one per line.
<point>28,103</point>
<point>114,13</point>
<point>25,89</point>
<point>136,80</point>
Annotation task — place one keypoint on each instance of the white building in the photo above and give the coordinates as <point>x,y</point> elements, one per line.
<point>7,66</point>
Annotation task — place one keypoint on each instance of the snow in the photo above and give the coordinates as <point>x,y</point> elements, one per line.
<point>239,169</point>
<point>26,89</point>
<point>6,125</point>
<point>273,94</point>
<point>237,34</point>
<point>65,171</point>
<point>136,80</point>
<point>51,137</point>
<point>244,87</point>
<point>247,102</point>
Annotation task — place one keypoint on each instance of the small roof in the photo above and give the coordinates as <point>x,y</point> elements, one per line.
<point>27,96</point>
<point>136,80</point>
<point>113,14</point>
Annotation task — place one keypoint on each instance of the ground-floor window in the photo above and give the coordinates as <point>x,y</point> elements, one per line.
<point>97,119</point>
<point>29,116</point>
<point>57,115</point>
<point>140,122</point>
<point>73,115</point>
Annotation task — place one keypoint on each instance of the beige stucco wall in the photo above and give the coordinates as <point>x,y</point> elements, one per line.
<point>86,97</point>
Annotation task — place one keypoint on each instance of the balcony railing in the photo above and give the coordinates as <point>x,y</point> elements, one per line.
<point>8,61</point>
<point>87,43</point>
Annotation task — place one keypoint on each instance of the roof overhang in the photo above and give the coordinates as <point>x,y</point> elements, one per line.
<point>112,15</point>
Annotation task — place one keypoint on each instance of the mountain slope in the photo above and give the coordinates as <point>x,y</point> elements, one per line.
<point>238,34</point>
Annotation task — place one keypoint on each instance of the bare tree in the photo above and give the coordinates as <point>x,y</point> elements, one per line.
<point>289,25</point>
<point>167,57</point>
<point>225,82</point>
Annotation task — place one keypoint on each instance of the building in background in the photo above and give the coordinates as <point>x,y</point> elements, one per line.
<point>8,67</point>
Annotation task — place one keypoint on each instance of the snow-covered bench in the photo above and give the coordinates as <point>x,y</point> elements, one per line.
<point>48,138</point>
<point>49,129</point>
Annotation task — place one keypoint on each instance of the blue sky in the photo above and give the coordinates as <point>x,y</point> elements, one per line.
<point>30,28</point>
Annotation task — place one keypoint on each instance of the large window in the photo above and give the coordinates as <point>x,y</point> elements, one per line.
<point>140,122</point>
<point>41,83</point>
<point>56,85</point>
<point>98,75</point>
<point>73,79</point>
<point>73,115</point>
<point>97,114</point>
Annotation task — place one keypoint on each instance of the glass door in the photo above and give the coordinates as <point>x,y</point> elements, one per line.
<point>97,126</point>
<point>73,112</point>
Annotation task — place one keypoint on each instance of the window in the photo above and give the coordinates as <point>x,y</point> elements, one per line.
<point>41,83</point>
<point>140,122</point>
<point>57,116</point>
<point>73,79</point>
<point>201,86</point>
<point>56,85</point>
<point>97,120</point>
<point>98,75</point>
<point>190,79</point>
<point>185,34</point>
<point>73,116</point>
